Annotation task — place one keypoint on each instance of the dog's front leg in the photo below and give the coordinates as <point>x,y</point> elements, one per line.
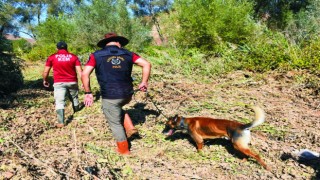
<point>198,140</point>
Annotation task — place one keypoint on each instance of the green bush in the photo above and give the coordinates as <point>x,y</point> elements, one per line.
<point>205,24</point>
<point>5,45</point>
<point>94,20</point>
<point>267,51</point>
<point>21,47</point>
<point>310,57</point>
<point>191,62</point>
<point>55,29</point>
<point>40,52</point>
<point>11,77</point>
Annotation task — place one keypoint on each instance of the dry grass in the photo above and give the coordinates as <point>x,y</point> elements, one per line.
<point>32,148</point>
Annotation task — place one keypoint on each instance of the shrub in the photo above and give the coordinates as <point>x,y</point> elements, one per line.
<point>311,57</point>
<point>267,51</point>
<point>5,45</point>
<point>40,52</point>
<point>205,24</point>
<point>21,47</point>
<point>10,69</point>
<point>191,62</point>
<point>11,77</point>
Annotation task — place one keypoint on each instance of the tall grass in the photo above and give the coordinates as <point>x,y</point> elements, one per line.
<point>192,62</point>
<point>267,51</point>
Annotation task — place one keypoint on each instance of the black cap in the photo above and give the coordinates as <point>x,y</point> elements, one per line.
<point>62,45</point>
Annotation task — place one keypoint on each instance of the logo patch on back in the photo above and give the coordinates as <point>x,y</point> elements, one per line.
<point>115,61</point>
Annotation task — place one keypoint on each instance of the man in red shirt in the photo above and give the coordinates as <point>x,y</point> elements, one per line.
<point>65,67</point>
<point>113,67</point>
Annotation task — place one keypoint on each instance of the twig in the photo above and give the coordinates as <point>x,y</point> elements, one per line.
<point>51,169</point>
<point>77,155</point>
<point>180,92</point>
<point>75,145</point>
<point>154,104</point>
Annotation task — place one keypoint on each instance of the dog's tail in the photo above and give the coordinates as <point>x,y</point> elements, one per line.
<point>259,119</point>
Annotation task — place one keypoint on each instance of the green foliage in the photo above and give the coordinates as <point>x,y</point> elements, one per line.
<point>5,45</point>
<point>21,47</point>
<point>55,29</point>
<point>310,57</point>
<point>102,16</point>
<point>268,51</point>
<point>278,13</point>
<point>145,8</point>
<point>205,24</point>
<point>304,25</point>
<point>191,62</point>
<point>50,32</point>
<point>273,51</point>
<point>11,77</point>
<point>40,52</point>
<point>7,17</point>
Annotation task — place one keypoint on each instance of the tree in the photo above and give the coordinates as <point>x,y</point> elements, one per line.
<point>150,8</point>
<point>304,26</point>
<point>11,77</point>
<point>55,29</point>
<point>22,16</point>
<point>7,16</point>
<point>278,11</point>
<point>95,18</point>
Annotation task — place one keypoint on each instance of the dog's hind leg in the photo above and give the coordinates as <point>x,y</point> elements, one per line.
<point>245,150</point>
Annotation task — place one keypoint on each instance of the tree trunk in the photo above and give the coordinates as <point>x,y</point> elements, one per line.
<point>156,23</point>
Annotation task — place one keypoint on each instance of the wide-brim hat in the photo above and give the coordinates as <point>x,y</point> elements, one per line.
<point>112,37</point>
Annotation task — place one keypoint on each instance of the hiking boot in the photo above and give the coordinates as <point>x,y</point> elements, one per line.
<point>128,126</point>
<point>60,117</point>
<point>59,125</point>
<point>123,147</point>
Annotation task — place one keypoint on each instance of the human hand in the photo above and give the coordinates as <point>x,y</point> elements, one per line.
<point>143,86</point>
<point>88,100</point>
<point>46,83</point>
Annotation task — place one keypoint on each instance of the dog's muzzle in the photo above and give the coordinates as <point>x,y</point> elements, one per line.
<point>168,131</point>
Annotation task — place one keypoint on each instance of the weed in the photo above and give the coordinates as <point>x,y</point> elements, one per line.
<point>272,130</point>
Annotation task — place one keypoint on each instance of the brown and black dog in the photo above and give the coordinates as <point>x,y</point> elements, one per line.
<point>200,128</point>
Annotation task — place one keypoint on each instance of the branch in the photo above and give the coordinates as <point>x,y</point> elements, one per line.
<point>51,169</point>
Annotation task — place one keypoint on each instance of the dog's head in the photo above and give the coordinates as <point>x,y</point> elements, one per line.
<point>171,125</point>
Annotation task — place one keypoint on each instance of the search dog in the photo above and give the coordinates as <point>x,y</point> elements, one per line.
<point>200,128</point>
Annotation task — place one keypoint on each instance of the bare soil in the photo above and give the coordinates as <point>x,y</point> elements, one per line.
<point>32,148</point>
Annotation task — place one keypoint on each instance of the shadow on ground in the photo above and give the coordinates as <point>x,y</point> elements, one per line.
<point>138,114</point>
<point>29,91</point>
<point>313,163</point>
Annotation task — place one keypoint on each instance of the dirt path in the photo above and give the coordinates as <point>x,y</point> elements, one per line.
<point>32,148</point>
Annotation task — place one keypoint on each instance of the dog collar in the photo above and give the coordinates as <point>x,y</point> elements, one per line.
<point>183,125</point>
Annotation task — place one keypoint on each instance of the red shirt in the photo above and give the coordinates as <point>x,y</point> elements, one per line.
<point>64,66</point>
<point>92,60</point>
